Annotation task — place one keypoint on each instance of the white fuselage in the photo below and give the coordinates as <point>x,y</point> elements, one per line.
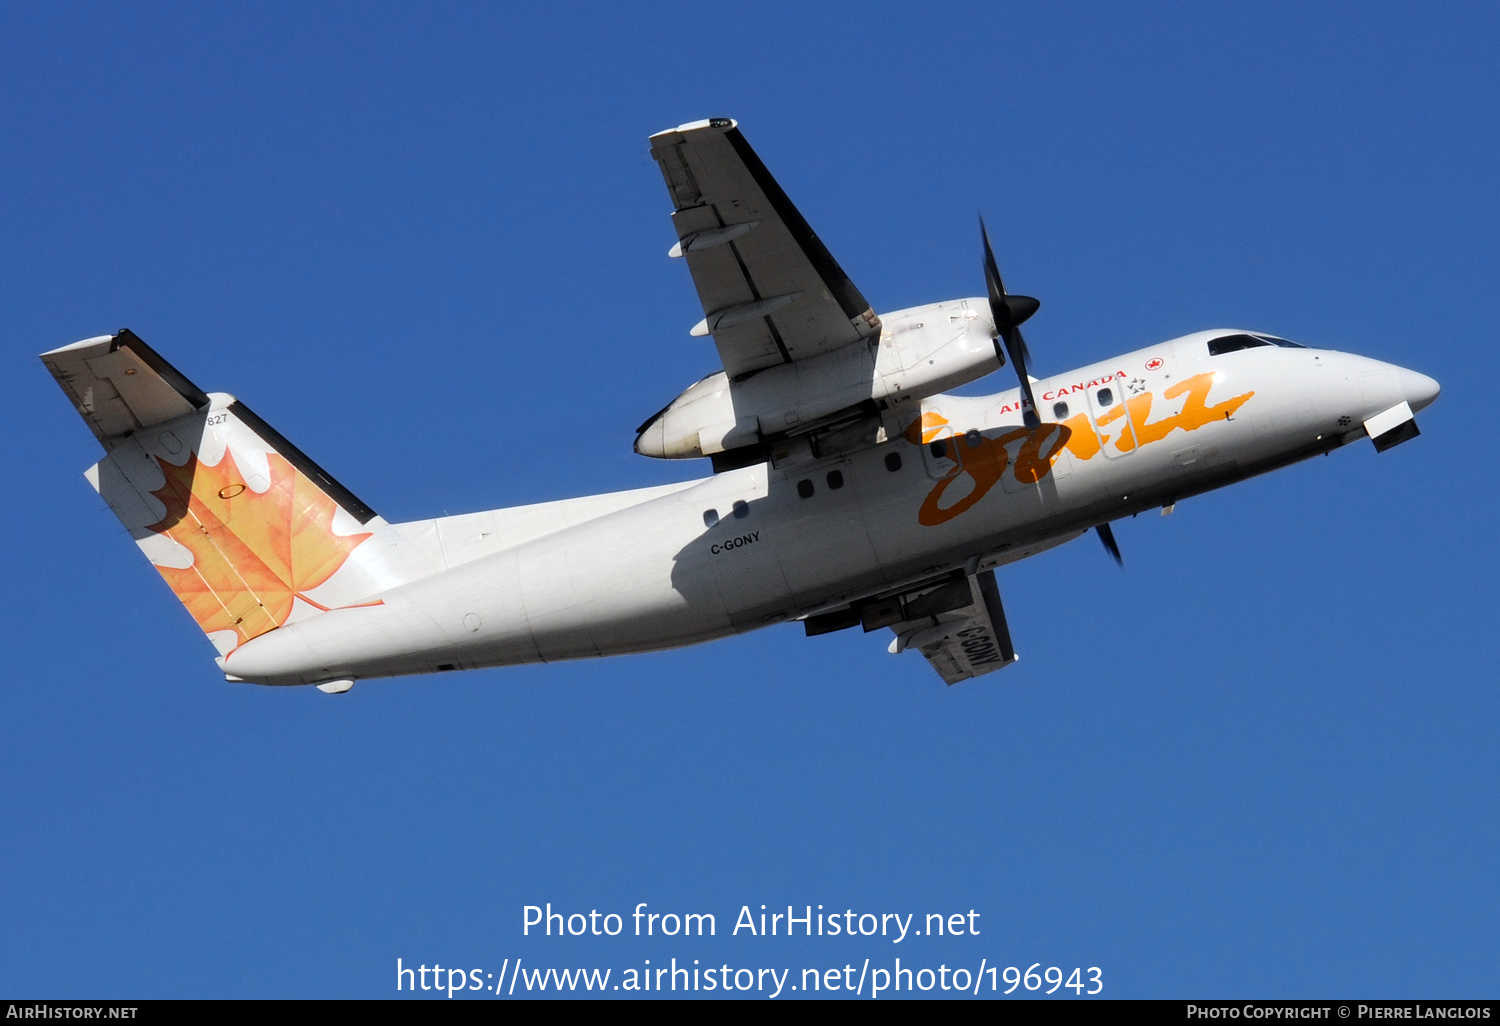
<point>663,571</point>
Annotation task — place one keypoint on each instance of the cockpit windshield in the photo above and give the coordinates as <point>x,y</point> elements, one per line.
<point>1234,343</point>
<point>1284,343</point>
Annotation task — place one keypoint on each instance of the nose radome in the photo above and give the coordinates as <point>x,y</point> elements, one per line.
<point>1418,389</point>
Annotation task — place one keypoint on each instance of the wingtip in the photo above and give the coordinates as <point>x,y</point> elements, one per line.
<point>81,344</point>
<point>693,126</point>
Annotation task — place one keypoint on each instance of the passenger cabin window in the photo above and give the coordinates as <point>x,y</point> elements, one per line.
<point>972,436</point>
<point>835,479</point>
<point>939,447</point>
<point>1060,411</point>
<point>1106,397</point>
<point>741,509</point>
<point>710,517</point>
<point>805,488</point>
<point>893,461</point>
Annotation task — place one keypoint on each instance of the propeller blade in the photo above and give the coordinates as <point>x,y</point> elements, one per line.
<point>1016,346</point>
<point>1008,312</point>
<point>1107,536</point>
<point>991,269</point>
<point>1021,346</point>
<point>1022,351</point>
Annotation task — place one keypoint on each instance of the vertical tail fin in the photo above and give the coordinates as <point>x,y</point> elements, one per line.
<point>245,529</point>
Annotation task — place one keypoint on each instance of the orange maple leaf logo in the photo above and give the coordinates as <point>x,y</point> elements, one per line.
<point>253,552</point>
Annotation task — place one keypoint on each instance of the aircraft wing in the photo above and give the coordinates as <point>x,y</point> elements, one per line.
<point>771,291</point>
<point>965,642</point>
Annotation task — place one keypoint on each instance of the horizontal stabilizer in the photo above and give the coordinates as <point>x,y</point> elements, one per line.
<point>119,384</point>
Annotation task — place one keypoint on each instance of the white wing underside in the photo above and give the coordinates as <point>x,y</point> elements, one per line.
<point>962,643</point>
<point>771,291</point>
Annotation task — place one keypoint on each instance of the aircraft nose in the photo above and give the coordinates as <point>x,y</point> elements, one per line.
<point>1418,389</point>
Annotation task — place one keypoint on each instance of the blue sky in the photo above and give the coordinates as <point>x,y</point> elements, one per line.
<point>427,242</point>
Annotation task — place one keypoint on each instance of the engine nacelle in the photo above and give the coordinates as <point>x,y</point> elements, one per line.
<point>921,352</point>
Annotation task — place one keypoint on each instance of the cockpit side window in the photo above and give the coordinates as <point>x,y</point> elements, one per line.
<point>1233,344</point>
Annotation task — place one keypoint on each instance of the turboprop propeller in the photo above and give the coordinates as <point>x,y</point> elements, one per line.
<point>1009,313</point>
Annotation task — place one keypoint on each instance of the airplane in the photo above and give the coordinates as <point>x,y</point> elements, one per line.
<point>849,487</point>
